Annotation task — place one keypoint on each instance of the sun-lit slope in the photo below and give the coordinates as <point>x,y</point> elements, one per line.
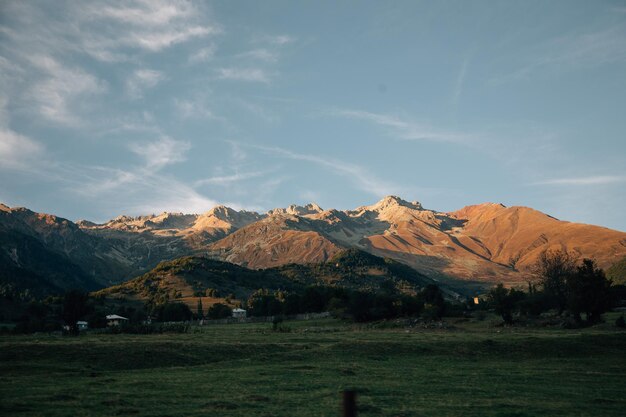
<point>424,239</point>
<point>356,269</point>
<point>516,236</point>
<point>189,278</point>
<point>485,243</point>
<point>276,240</point>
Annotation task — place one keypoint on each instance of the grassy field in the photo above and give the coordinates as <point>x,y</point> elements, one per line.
<point>468,369</point>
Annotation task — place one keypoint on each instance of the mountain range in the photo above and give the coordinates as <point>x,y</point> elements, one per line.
<point>477,245</point>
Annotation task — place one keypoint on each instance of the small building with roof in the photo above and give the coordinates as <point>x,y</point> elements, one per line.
<point>239,313</point>
<point>115,320</point>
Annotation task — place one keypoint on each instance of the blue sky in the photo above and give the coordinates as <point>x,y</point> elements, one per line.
<point>137,107</point>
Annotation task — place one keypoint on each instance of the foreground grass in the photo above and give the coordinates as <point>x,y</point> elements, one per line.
<point>472,369</point>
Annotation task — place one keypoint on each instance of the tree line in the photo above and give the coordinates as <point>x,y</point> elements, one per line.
<point>564,285</point>
<point>569,288</point>
<point>357,305</point>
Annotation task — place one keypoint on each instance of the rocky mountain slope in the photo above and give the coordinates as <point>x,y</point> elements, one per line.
<point>476,245</point>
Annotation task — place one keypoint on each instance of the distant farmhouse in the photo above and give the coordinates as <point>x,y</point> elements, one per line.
<point>80,325</point>
<point>115,320</point>
<point>239,313</point>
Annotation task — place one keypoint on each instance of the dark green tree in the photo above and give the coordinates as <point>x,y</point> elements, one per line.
<point>553,269</point>
<point>433,300</point>
<point>588,291</point>
<point>75,307</point>
<point>173,312</point>
<point>360,306</point>
<point>219,311</point>
<point>292,304</point>
<point>505,302</point>
<point>200,309</point>
<point>264,303</point>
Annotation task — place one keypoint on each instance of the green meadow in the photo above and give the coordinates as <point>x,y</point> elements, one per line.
<point>468,368</point>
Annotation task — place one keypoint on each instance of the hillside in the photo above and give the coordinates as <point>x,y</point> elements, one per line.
<point>276,240</point>
<point>190,278</point>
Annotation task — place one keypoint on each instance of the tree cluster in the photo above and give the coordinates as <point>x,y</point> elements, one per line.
<point>564,286</point>
<point>168,312</point>
<point>357,305</point>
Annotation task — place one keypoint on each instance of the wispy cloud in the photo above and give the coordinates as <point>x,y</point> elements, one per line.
<point>193,108</point>
<point>243,74</point>
<point>139,191</point>
<point>203,54</point>
<point>141,80</point>
<point>261,54</point>
<point>226,180</point>
<point>567,53</point>
<point>18,151</point>
<point>117,26</point>
<point>403,129</point>
<point>149,25</point>
<point>582,181</point>
<point>60,87</point>
<point>144,189</point>
<point>275,39</point>
<point>360,176</point>
<point>162,152</point>
<point>460,80</point>
<point>48,50</point>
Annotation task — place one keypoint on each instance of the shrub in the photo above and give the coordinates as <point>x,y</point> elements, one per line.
<point>219,311</point>
<point>173,312</point>
<point>431,312</point>
<point>480,315</point>
<point>505,302</point>
<point>434,304</point>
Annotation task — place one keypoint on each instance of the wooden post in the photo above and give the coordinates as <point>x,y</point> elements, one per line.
<point>349,404</point>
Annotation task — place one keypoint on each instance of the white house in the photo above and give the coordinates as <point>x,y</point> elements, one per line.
<point>115,320</point>
<point>239,313</point>
<point>82,325</point>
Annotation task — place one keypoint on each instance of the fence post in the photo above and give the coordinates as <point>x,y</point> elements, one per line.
<point>349,403</point>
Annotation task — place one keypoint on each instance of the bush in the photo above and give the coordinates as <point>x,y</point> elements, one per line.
<point>431,312</point>
<point>276,321</point>
<point>505,302</point>
<point>534,304</point>
<point>264,303</point>
<point>173,312</point>
<point>480,315</point>
<point>434,304</point>
<point>620,322</point>
<point>154,328</point>
<point>219,311</point>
